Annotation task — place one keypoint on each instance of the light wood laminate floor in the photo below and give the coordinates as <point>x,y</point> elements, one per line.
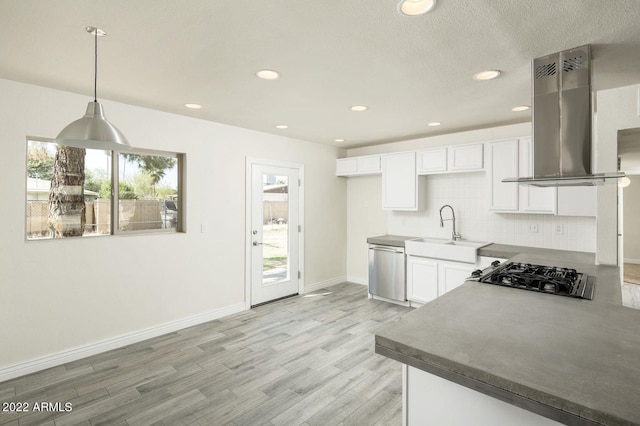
<point>304,360</point>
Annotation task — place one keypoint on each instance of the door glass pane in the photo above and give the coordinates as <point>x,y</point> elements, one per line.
<point>275,229</point>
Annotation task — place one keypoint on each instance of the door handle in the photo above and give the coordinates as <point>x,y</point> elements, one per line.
<point>385,249</point>
<point>255,243</point>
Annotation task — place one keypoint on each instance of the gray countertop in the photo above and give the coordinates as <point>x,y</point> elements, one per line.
<point>576,361</point>
<point>390,240</point>
<point>507,251</point>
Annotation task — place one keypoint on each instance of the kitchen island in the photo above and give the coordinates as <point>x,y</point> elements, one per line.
<point>572,361</point>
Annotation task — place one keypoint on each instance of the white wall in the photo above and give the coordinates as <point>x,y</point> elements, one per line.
<point>468,193</point>
<point>616,109</point>
<point>64,294</point>
<point>631,231</point>
<point>365,218</point>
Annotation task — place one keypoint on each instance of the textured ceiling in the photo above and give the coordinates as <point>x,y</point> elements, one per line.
<point>331,54</point>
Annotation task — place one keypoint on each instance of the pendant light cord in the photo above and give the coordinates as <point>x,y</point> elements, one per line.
<point>95,68</point>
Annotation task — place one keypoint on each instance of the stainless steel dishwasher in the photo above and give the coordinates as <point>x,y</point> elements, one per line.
<point>387,272</point>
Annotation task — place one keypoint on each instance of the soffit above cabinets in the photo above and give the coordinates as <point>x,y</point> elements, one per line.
<point>330,55</point>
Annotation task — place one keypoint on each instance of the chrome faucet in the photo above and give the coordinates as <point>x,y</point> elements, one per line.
<point>454,235</point>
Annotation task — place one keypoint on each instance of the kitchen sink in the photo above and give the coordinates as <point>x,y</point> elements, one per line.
<point>457,251</point>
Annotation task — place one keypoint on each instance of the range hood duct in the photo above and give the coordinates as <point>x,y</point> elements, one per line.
<point>561,121</point>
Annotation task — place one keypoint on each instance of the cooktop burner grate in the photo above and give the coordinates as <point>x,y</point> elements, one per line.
<point>544,279</point>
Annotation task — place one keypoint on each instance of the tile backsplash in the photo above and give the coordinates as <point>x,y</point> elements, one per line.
<point>468,194</point>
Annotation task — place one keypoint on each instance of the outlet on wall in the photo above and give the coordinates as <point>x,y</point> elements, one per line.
<point>533,228</point>
<point>558,228</point>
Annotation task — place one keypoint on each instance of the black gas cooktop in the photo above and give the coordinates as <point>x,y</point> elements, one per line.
<point>544,279</point>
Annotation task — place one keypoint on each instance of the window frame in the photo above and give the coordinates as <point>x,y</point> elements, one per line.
<point>114,225</point>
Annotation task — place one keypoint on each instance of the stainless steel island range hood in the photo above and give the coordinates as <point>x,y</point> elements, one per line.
<point>561,121</point>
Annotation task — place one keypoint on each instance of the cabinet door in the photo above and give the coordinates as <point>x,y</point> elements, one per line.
<point>399,181</point>
<point>503,163</point>
<point>465,158</point>
<point>533,199</point>
<point>422,279</point>
<point>432,161</point>
<point>452,275</point>
<point>577,201</point>
<point>346,166</point>
<point>369,164</point>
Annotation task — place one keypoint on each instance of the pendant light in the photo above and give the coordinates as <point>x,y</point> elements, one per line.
<point>93,130</point>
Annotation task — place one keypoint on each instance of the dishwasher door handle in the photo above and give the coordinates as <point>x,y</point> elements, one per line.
<point>386,249</point>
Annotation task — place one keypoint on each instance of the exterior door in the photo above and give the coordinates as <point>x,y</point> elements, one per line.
<point>274,239</point>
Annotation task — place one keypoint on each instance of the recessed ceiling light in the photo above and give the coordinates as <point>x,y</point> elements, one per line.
<point>268,74</point>
<point>358,108</point>
<point>520,108</point>
<point>193,106</point>
<point>417,7</point>
<point>486,75</point>
<point>338,140</point>
<point>281,126</point>
<point>434,124</point>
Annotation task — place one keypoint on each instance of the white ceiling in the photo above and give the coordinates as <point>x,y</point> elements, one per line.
<point>331,54</point>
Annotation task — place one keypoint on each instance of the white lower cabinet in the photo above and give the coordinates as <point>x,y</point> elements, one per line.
<point>432,400</point>
<point>422,279</point>
<point>452,275</point>
<point>429,278</point>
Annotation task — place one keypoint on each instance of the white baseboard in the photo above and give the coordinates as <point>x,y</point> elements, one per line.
<point>17,370</point>
<point>358,280</point>
<point>634,261</point>
<point>308,288</point>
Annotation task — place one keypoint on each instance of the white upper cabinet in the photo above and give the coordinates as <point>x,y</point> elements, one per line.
<point>533,199</point>
<point>432,161</point>
<point>578,201</point>
<point>359,166</point>
<point>512,158</point>
<point>465,158</point>
<point>503,163</point>
<point>399,181</point>
<point>457,158</point>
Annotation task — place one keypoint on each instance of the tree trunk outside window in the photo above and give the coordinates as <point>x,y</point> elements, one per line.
<point>66,196</point>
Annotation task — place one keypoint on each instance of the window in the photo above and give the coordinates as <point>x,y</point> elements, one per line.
<point>148,192</point>
<point>75,192</point>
